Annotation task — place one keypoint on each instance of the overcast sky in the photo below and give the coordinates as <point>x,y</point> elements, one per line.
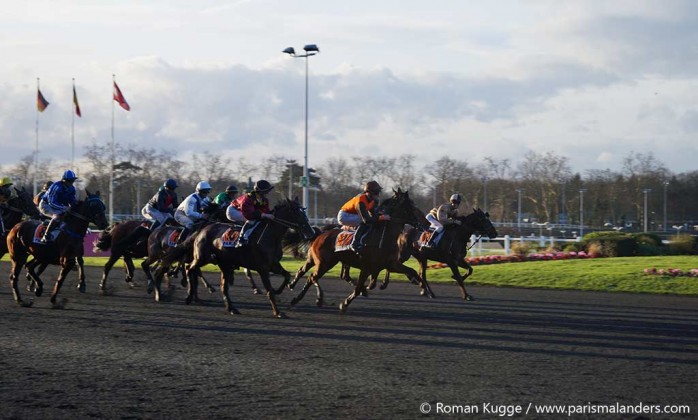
<point>589,80</point>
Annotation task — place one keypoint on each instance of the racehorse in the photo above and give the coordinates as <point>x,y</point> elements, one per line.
<point>65,250</point>
<point>451,249</point>
<point>262,253</point>
<point>380,252</point>
<point>13,209</point>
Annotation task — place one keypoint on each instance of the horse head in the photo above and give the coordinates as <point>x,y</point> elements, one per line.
<point>401,208</point>
<point>94,210</point>
<point>480,222</point>
<point>292,214</point>
<point>24,202</point>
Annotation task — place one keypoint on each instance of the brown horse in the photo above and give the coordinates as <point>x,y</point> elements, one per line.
<point>262,253</point>
<point>451,249</point>
<point>65,250</point>
<point>380,252</point>
<point>12,212</point>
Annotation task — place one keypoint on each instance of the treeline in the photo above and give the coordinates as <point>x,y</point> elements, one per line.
<point>548,188</point>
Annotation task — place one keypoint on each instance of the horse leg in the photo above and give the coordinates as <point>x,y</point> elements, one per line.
<point>18,260</point>
<point>203,281</point>
<point>130,270</point>
<point>425,289</point>
<point>309,263</point>
<point>67,264</point>
<point>107,268</point>
<point>313,278</point>
<point>266,282</point>
<point>386,280</point>
<point>82,287</point>
<point>248,276</point>
<point>344,274</point>
<point>357,291</point>
<point>227,279</point>
<point>191,274</point>
<point>461,279</point>
<point>35,280</point>
<point>145,265</point>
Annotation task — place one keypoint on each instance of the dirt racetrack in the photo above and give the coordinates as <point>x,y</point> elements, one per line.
<point>124,356</point>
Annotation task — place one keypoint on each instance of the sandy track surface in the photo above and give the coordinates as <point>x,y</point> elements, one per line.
<point>124,356</point>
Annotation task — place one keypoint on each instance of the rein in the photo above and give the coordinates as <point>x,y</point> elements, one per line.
<point>467,248</point>
<point>285,223</point>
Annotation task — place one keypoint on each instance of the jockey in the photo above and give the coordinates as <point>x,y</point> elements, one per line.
<point>6,193</point>
<point>42,193</point>
<point>226,197</point>
<point>191,209</point>
<point>360,211</point>
<point>441,216</point>
<point>162,205</point>
<point>253,207</point>
<point>57,201</point>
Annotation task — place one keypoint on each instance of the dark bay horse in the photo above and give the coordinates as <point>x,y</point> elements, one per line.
<point>380,252</point>
<point>65,250</point>
<point>262,253</point>
<point>451,249</point>
<point>12,212</point>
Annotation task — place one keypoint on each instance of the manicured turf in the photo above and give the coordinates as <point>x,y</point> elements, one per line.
<point>599,274</point>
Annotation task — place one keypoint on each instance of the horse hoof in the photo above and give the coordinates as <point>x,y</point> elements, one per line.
<point>59,304</point>
<point>82,288</point>
<point>280,315</point>
<point>39,291</point>
<point>469,297</point>
<point>233,311</point>
<point>24,304</point>
<point>319,303</point>
<point>256,291</point>
<point>342,308</point>
<point>183,282</point>
<point>383,286</point>
<point>294,301</point>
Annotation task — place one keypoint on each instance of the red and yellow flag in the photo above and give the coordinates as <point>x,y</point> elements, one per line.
<point>41,102</point>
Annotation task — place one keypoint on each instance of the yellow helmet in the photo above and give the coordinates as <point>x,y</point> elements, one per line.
<point>5,181</point>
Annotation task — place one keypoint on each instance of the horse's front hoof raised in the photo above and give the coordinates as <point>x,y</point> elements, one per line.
<point>342,308</point>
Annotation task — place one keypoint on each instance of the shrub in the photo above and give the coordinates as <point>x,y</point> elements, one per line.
<point>684,245</point>
<point>611,244</point>
<point>573,247</point>
<point>521,248</point>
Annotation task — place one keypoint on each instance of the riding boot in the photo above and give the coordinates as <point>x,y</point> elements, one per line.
<point>51,225</point>
<point>183,235</point>
<point>358,242</point>
<point>154,226</point>
<point>244,233</point>
<point>432,240</point>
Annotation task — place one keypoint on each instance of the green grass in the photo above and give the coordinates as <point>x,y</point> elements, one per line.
<point>600,274</point>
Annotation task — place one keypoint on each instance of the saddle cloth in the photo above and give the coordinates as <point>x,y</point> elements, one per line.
<point>344,240</point>
<point>39,233</point>
<point>230,237</point>
<point>174,237</point>
<point>425,236</point>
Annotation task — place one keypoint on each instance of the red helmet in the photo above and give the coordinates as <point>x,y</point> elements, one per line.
<point>373,187</point>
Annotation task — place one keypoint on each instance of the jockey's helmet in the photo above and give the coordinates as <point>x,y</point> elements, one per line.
<point>231,189</point>
<point>203,187</point>
<point>262,186</point>
<point>171,184</point>
<point>69,175</point>
<point>373,187</point>
<point>456,198</point>
<point>5,181</point>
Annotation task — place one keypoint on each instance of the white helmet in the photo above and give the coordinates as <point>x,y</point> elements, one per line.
<point>203,186</point>
<point>456,198</point>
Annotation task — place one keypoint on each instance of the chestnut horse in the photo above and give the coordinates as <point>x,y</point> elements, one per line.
<point>65,250</point>
<point>380,252</point>
<point>451,249</point>
<point>262,253</point>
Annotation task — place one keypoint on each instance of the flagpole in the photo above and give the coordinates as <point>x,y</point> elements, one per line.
<point>36,145</point>
<point>72,133</point>
<point>111,169</point>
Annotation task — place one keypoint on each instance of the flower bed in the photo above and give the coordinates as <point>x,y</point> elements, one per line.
<point>671,272</point>
<point>498,259</point>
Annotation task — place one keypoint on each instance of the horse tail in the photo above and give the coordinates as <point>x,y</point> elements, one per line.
<point>175,254</point>
<point>294,242</point>
<point>103,242</point>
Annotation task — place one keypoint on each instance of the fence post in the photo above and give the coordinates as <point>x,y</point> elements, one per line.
<point>507,245</point>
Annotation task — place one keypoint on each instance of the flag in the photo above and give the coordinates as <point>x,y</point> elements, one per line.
<point>41,102</point>
<point>119,97</point>
<point>77,105</point>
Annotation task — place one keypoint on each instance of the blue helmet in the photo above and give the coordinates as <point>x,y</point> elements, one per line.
<point>170,183</point>
<point>69,175</point>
